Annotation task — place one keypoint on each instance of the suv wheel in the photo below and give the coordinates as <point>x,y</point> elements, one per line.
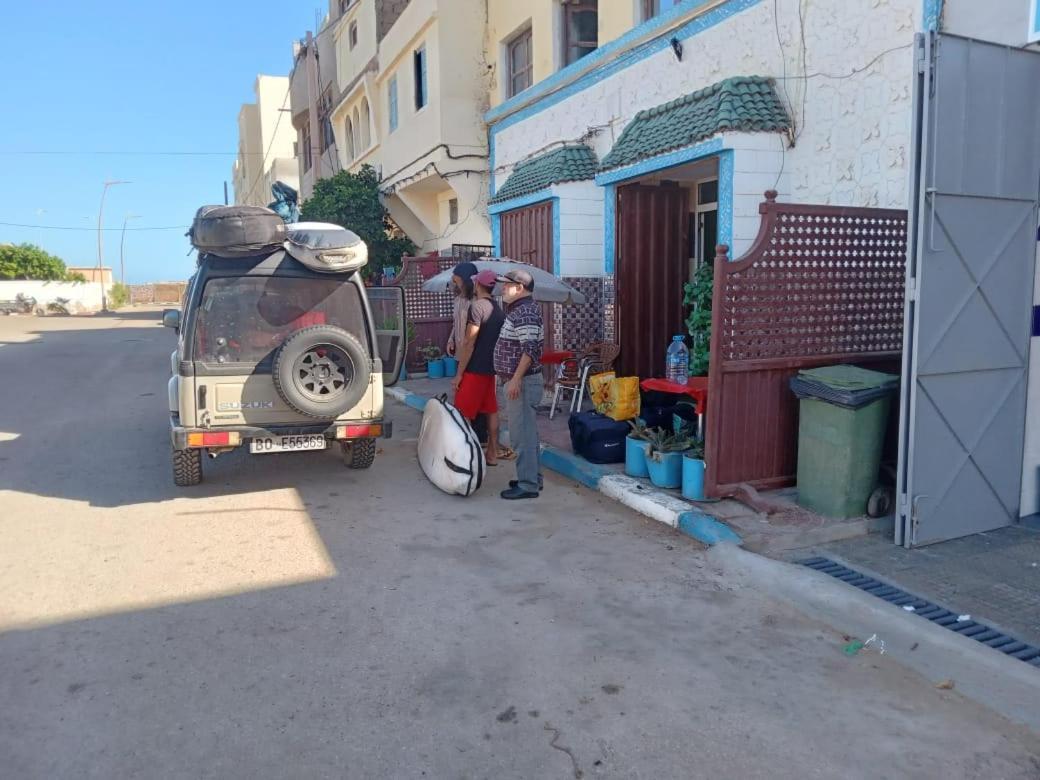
<point>321,371</point>
<point>359,454</point>
<point>187,467</point>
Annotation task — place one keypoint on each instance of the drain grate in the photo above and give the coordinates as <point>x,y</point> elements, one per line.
<point>980,632</point>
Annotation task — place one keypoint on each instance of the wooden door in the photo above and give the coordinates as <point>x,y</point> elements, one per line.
<point>652,266</point>
<point>527,236</point>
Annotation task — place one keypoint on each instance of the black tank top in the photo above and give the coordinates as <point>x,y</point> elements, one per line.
<point>483,359</point>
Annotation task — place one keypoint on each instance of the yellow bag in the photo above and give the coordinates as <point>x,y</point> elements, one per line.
<point>599,390</point>
<point>623,398</point>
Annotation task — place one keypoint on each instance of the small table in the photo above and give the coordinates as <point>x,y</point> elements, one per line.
<point>696,387</point>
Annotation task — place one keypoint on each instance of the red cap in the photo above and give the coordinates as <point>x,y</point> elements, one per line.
<point>486,279</point>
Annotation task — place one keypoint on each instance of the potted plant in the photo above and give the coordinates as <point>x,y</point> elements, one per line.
<point>665,459</point>
<point>693,472</point>
<point>431,353</point>
<point>636,445</point>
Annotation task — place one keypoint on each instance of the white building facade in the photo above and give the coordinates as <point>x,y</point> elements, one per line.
<point>266,144</point>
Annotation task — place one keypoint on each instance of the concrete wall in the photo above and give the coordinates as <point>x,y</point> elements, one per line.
<point>999,21</point>
<point>351,63</point>
<point>83,296</point>
<point>581,228</point>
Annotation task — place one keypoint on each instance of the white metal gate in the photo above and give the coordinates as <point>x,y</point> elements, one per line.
<point>970,272</point>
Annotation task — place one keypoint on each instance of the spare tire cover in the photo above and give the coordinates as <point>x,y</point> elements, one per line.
<point>322,371</point>
<point>236,231</point>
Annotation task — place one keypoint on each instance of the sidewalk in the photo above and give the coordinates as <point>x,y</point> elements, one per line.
<point>610,480</point>
<point>772,525</point>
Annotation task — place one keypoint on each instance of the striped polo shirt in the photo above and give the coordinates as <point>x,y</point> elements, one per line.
<point>522,334</point>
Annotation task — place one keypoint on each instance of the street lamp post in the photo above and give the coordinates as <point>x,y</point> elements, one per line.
<point>122,244</point>
<point>100,241</point>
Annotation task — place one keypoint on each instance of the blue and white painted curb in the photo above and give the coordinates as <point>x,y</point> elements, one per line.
<point>633,493</point>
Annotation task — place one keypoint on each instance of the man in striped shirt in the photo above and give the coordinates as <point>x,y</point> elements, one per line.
<point>518,363</point>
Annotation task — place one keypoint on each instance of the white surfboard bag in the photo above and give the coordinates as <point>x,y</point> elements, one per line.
<point>449,450</point>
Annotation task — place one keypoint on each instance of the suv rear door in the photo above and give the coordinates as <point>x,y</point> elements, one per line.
<point>388,316</point>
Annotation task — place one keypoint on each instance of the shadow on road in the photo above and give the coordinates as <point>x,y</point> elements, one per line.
<point>84,416</point>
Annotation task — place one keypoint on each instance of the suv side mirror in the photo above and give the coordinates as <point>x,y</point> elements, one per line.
<point>171,318</point>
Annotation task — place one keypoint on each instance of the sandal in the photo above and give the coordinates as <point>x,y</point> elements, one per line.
<point>506,453</point>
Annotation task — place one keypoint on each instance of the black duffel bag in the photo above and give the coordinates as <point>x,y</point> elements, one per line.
<point>236,231</point>
<point>597,438</point>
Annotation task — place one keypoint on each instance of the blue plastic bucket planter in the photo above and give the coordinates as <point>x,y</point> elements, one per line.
<point>693,478</point>
<point>665,469</point>
<point>451,366</point>
<point>435,368</point>
<point>635,457</point>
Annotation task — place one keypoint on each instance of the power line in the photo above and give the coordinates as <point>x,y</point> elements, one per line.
<point>103,153</point>
<point>89,229</point>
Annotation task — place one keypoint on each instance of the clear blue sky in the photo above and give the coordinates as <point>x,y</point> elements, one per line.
<point>132,78</point>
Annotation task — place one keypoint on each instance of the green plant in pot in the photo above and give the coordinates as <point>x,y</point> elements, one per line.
<point>431,353</point>
<point>697,298</point>
<point>665,458</point>
<point>636,447</point>
<point>693,472</point>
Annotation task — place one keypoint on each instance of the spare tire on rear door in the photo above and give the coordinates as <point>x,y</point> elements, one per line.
<point>322,371</point>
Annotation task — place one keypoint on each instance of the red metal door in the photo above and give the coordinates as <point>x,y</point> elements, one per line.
<point>527,236</point>
<point>652,266</point>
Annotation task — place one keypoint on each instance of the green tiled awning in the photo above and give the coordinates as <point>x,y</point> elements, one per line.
<point>743,104</point>
<point>568,163</point>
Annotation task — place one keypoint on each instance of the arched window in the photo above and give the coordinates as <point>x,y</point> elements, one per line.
<point>366,124</point>
<point>350,140</point>
<point>357,132</point>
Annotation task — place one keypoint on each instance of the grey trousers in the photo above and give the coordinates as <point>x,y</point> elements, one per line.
<point>523,431</point>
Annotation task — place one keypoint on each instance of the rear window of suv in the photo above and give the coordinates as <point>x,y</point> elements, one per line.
<point>245,319</point>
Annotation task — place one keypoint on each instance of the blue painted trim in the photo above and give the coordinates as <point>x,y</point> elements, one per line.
<point>573,467</point>
<point>496,234</point>
<point>725,197</point>
<point>705,528</point>
<point>415,401</point>
<point>932,14</point>
<point>519,203</point>
<point>556,236</point>
<point>660,161</point>
<point>552,90</point>
<point>610,179</point>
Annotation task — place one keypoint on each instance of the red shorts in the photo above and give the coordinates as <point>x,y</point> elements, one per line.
<point>476,395</point>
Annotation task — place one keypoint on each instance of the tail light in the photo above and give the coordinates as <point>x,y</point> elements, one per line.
<point>359,431</point>
<point>215,439</point>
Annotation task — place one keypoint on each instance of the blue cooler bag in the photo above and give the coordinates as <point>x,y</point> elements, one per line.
<point>597,438</point>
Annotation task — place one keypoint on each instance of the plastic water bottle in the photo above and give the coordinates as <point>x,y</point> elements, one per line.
<point>677,361</point>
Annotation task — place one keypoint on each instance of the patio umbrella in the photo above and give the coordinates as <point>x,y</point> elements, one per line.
<point>547,288</point>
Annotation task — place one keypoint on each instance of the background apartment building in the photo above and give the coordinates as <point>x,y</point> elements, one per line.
<point>266,144</point>
<point>401,85</point>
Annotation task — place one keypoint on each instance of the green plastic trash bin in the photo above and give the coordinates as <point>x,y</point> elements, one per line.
<point>843,414</point>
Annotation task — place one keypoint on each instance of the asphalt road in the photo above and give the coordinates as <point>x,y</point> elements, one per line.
<point>290,618</point>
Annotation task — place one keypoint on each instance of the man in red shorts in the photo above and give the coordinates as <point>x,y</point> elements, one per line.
<point>475,391</point>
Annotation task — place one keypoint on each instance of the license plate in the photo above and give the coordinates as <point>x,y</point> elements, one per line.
<point>266,444</point>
